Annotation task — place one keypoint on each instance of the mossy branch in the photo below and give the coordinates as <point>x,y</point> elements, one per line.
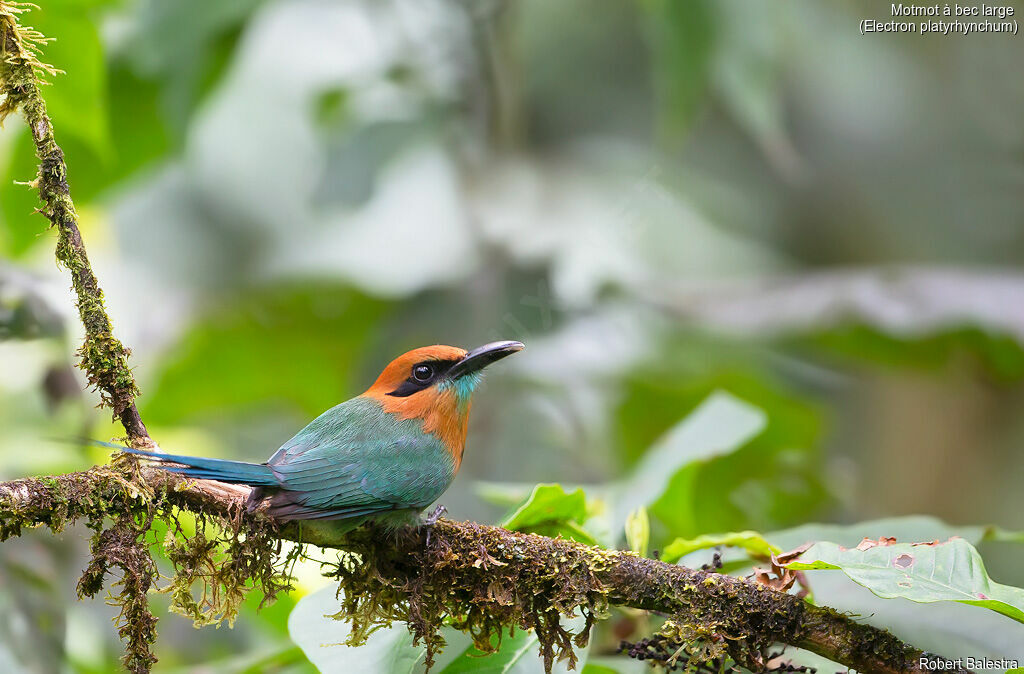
<point>103,357</point>
<point>478,578</point>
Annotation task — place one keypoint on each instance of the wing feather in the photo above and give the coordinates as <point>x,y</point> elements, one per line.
<point>355,460</point>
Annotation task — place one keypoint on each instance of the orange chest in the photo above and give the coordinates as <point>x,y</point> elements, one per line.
<point>440,412</point>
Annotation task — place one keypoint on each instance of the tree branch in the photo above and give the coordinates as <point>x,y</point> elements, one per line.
<point>103,357</point>
<point>485,574</point>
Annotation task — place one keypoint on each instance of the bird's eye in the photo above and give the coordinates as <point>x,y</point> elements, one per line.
<point>422,373</point>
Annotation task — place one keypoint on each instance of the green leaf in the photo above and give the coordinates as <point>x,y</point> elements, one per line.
<point>999,353</point>
<point>548,503</point>
<point>290,346</point>
<point>1000,535</point>
<point>513,649</point>
<point>751,541</point>
<point>721,424</point>
<point>76,100</point>
<point>684,35</point>
<point>551,511</point>
<point>598,669</point>
<point>772,480</point>
<point>518,654</point>
<point>950,571</point>
<point>76,103</point>
<point>947,627</point>
<point>507,495</point>
<point>746,71</point>
<point>638,531</point>
<point>322,638</point>
<point>187,63</point>
<point>911,527</point>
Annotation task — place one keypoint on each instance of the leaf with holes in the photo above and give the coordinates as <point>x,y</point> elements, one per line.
<point>921,572</point>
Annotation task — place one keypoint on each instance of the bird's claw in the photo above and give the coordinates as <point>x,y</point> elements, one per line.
<point>432,519</point>
<point>435,515</point>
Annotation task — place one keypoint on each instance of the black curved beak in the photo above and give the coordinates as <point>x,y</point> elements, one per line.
<point>482,356</point>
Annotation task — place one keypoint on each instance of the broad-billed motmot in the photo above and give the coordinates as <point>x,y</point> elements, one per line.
<point>386,454</point>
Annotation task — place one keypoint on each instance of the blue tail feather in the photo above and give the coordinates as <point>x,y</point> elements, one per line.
<point>223,470</point>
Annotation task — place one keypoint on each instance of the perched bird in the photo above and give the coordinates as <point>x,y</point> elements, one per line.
<point>384,455</point>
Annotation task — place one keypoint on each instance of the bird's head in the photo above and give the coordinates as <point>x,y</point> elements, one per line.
<point>435,384</point>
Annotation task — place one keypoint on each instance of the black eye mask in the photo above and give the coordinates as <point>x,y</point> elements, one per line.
<point>414,384</point>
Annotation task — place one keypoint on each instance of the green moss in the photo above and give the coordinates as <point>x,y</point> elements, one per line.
<point>103,357</point>
<point>212,569</point>
<point>480,580</point>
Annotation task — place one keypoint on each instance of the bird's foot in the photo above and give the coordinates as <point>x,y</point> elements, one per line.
<point>432,519</point>
<point>435,515</point>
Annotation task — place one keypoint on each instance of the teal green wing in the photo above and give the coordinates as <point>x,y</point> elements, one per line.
<point>356,460</point>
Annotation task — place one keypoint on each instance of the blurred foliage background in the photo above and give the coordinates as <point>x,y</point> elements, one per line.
<point>662,199</point>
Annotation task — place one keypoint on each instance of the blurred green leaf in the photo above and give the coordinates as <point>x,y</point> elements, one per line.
<point>638,531</point>
<point>106,134</point>
<point>746,70</point>
<point>295,347</point>
<point>140,132</point>
<point>950,571</point>
<point>1000,535</point>
<point>513,656</point>
<point>591,668</point>
<point>519,654</point>
<point>507,495</point>
<point>285,658</point>
<point>321,638</point>
<point>683,36</point>
<point>766,480</point>
<point>750,541</point>
<point>186,63</point>
<point>390,650</point>
<point>719,425</point>
<point>76,101</point>
<point>1000,355</point>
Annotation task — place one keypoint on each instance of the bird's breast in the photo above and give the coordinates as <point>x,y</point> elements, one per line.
<point>440,414</point>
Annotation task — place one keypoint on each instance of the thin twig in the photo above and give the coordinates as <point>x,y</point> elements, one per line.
<point>103,357</point>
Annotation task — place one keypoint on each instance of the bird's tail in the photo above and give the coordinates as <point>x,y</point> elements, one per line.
<point>223,470</point>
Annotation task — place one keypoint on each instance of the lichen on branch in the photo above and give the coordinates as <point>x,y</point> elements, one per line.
<point>481,580</point>
<point>478,578</point>
<point>103,357</point>
<point>216,556</point>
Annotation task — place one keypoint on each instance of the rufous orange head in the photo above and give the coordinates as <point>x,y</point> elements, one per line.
<point>435,384</point>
